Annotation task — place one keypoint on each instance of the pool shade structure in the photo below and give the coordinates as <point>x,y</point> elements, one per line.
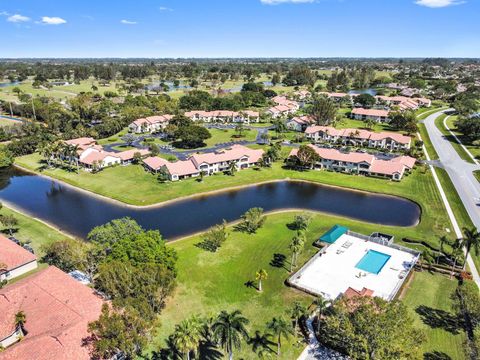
<point>333,234</point>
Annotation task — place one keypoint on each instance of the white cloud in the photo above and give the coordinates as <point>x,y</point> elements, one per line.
<point>438,3</point>
<point>128,22</point>
<point>164,8</point>
<point>17,18</point>
<point>276,2</point>
<point>4,13</point>
<point>47,20</point>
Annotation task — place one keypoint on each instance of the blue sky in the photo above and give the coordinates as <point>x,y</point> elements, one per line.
<point>239,28</point>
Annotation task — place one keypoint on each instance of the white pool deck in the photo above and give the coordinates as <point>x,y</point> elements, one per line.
<point>332,271</point>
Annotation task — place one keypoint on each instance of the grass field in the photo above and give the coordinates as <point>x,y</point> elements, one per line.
<point>474,150</point>
<point>219,282</point>
<point>429,299</point>
<point>219,279</point>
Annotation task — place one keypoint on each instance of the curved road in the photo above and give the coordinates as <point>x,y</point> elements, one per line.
<point>460,172</point>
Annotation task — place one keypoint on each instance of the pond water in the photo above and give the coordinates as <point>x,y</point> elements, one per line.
<point>78,212</point>
<point>372,92</point>
<point>7,84</point>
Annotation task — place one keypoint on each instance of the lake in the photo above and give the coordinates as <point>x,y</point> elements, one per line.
<point>77,212</point>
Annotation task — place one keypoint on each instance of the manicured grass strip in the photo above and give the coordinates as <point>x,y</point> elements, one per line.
<point>429,299</point>
<point>458,148</point>
<point>426,140</point>
<point>477,175</point>
<point>424,114</point>
<point>457,206</point>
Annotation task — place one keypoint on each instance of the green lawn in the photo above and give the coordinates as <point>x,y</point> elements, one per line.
<point>418,187</point>
<point>222,136</point>
<point>31,230</point>
<point>429,299</point>
<point>211,282</point>
<point>426,140</point>
<point>422,114</point>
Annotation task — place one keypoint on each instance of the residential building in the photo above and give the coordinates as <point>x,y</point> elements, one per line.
<point>370,114</point>
<point>300,123</point>
<point>283,107</point>
<point>207,163</point>
<point>224,116</point>
<point>57,309</point>
<point>361,163</point>
<point>91,156</point>
<point>150,124</point>
<point>359,137</point>
<point>14,260</point>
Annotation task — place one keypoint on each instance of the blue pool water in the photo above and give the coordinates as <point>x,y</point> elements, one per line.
<point>373,261</point>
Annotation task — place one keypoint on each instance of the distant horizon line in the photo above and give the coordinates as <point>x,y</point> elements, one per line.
<point>244,58</point>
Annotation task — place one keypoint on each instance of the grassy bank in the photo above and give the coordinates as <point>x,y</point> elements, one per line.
<point>429,299</point>
<point>133,185</point>
<point>30,230</point>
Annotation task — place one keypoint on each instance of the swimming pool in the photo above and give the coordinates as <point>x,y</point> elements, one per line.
<point>373,261</point>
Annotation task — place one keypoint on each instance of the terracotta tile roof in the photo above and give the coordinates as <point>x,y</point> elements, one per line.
<point>155,162</point>
<point>98,156</point>
<point>234,153</point>
<point>305,119</point>
<point>386,167</point>
<point>351,292</point>
<point>128,154</point>
<point>220,113</point>
<point>58,310</point>
<point>336,155</point>
<point>370,112</point>
<point>13,255</point>
<point>84,141</point>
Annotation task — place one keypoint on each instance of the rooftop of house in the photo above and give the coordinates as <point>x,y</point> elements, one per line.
<point>57,310</point>
<point>13,255</point>
<point>370,112</point>
<point>360,134</point>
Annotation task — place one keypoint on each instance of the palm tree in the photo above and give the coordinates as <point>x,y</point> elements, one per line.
<point>296,312</point>
<point>187,335</point>
<point>457,253</point>
<point>261,344</point>
<point>297,244</point>
<point>265,137</point>
<point>471,240</point>
<point>259,276</point>
<point>229,329</point>
<point>20,320</point>
<point>232,167</point>
<point>279,328</point>
<point>321,304</point>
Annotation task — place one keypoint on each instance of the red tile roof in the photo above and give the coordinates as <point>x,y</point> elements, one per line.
<point>370,112</point>
<point>128,154</point>
<point>351,292</point>
<point>58,310</point>
<point>13,255</point>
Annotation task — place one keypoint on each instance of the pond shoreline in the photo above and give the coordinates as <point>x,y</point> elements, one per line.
<point>205,193</point>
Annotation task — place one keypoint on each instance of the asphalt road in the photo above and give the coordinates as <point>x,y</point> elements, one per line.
<point>460,172</point>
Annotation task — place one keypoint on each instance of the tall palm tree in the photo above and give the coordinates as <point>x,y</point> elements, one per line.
<point>321,304</point>
<point>471,240</point>
<point>297,244</point>
<point>259,276</point>
<point>187,335</point>
<point>296,312</point>
<point>20,320</point>
<point>229,330</point>
<point>279,328</point>
<point>262,344</point>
